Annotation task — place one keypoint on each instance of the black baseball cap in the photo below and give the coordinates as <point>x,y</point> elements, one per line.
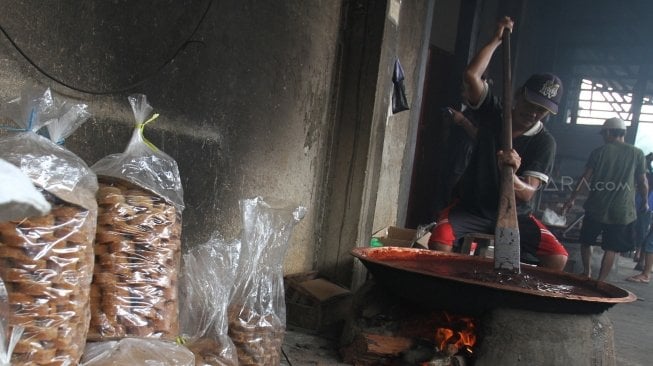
<point>544,90</point>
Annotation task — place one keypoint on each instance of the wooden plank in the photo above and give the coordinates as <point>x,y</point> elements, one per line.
<point>382,345</point>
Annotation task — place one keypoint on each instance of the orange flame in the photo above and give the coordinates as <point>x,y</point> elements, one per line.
<point>460,332</point>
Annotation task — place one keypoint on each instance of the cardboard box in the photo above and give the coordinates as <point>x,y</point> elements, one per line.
<point>313,302</point>
<point>392,236</point>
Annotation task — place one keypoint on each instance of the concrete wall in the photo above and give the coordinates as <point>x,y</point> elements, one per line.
<point>406,38</point>
<point>243,105</point>
<point>247,94</point>
<point>372,150</point>
<point>409,39</point>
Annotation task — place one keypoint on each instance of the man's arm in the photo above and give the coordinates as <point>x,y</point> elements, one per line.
<point>526,187</point>
<point>583,181</point>
<point>460,119</point>
<point>473,76</point>
<point>642,189</point>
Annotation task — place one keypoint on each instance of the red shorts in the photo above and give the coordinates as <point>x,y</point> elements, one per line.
<point>454,223</point>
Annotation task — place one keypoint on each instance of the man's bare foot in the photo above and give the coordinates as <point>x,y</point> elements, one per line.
<point>640,278</point>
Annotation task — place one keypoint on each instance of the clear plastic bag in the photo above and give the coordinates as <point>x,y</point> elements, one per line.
<point>142,163</point>
<point>207,279</point>
<point>551,218</point>
<point>257,312</point>
<point>138,241</point>
<point>49,165</point>
<point>46,261</point>
<point>18,196</point>
<point>8,339</point>
<point>137,352</point>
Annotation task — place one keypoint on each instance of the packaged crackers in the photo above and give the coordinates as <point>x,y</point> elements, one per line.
<point>138,240</point>
<point>46,261</point>
<point>257,311</point>
<point>207,279</point>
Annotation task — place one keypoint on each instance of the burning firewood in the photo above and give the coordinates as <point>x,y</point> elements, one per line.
<point>446,361</point>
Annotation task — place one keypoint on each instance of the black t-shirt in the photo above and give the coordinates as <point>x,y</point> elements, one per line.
<point>480,187</point>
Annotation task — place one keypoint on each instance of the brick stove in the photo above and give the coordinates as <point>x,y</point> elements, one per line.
<point>538,317</point>
<point>388,330</point>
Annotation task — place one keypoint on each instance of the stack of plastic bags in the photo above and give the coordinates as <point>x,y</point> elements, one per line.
<point>98,257</point>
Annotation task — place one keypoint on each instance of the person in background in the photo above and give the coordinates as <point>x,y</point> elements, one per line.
<point>613,172</point>
<point>647,254</point>
<point>532,160</point>
<point>643,222</point>
<point>460,146</point>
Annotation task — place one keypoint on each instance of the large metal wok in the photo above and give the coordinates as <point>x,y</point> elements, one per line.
<point>471,285</point>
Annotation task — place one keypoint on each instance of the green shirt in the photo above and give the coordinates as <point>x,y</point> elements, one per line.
<point>612,187</point>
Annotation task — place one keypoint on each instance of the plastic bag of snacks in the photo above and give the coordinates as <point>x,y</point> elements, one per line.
<point>137,352</point>
<point>207,279</point>
<point>137,245</point>
<point>8,339</point>
<point>46,261</point>
<point>257,312</point>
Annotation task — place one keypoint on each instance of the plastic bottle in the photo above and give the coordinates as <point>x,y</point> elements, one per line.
<point>375,243</point>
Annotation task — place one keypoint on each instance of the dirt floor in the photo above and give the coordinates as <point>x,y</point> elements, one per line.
<point>633,325</point>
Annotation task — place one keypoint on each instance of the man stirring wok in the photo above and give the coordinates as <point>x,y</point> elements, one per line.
<point>475,210</point>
